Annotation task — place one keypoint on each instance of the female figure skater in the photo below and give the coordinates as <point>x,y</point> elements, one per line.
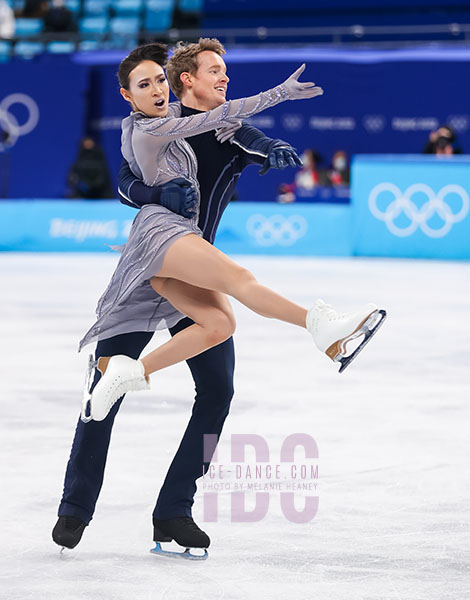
<point>167,269</point>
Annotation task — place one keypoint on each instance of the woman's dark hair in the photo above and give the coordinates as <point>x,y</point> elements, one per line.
<point>156,52</point>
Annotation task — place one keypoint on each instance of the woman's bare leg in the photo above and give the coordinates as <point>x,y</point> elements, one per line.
<point>193,260</point>
<point>213,323</point>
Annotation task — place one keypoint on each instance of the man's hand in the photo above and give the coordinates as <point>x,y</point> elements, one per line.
<point>180,197</point>
<point>280,158</point>
<point>225,134</point>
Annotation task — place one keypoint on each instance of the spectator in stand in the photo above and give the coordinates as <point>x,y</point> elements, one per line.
<point>442,141</point>
<point>59,18</point>
<point>339,172</point>
<point>7,21</point>
<point>34,9</point>
<point>309,176</point>
<point>89,175</point>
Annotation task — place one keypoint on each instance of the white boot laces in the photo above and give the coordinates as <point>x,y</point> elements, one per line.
<point>118,390</point>
<point>329,312</point>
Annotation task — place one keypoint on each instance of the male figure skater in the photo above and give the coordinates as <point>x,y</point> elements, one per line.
<point>197,76</point>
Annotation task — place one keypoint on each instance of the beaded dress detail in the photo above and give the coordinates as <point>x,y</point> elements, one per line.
<point>157,152</point>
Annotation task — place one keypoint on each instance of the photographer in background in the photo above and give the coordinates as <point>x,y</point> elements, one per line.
<point>442,141</point>
<point>89,175</point>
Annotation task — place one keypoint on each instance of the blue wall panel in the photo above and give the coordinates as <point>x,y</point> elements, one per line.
<point>246,228</point>
<point>374,102</point>
<point>45,103</point>
<point>411,206</point>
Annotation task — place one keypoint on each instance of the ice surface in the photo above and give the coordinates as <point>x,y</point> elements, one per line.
<point>393,434</point>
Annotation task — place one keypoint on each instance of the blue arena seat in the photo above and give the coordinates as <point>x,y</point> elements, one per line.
<point>90,45</point>
<point>158,15</point>
<point>28,27</point>
<point>5,49</point>
<point>73,5</point>
<point>124,25</point>
<point>160,5</point>
<point>60,47</point>
<point>28,49</point>
<point>93,25</point>
<point>124,31</point>
<point>96,7</point>
<point>127,8</point>
<point>191,6</point>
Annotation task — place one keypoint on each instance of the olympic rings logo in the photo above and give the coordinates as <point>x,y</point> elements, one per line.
<point>9,123</point>
<point>402,204</point>
<point>276,230</point>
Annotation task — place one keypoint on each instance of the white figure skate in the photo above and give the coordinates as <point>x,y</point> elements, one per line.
<point>331,331</point>
<point>120,374</point>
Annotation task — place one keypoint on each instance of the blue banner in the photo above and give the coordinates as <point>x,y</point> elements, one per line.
<point>246,228</point>
<point>42,115</point>
<point>411,206</point>
<point>374,102</point>
<point>64,226</point>
<point>302,230</point>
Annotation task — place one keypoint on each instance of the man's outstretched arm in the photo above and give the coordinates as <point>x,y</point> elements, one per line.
<point>178,195</point>
<point>261,149</point>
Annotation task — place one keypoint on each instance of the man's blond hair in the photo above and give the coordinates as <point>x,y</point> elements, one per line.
<point>184,60</point>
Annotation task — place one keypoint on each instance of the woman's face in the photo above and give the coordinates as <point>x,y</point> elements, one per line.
<point>148,89</point>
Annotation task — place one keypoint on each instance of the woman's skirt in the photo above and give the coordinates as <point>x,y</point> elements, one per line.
<point>129,302</point>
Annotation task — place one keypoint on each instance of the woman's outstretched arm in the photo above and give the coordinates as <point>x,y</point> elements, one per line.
<point>242,108</point>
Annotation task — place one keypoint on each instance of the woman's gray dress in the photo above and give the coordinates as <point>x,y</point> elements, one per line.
<point>157,152</point>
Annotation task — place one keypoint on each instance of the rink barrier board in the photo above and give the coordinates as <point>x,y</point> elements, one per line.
<point>245,228</point>
<point>414,206</point>
<point>404,207</point>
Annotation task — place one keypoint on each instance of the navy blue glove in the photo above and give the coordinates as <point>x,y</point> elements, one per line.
<point>280,158</point>
<point>179,196</point>
<point>279,153</point>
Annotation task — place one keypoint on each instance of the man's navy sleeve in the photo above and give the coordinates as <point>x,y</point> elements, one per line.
<point>255,144</point>
<point>132,191</point>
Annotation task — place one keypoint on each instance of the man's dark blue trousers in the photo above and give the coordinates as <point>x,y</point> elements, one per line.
<point>212,372</point>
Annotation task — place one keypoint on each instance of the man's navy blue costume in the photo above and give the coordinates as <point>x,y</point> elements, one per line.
<point>219,167</point>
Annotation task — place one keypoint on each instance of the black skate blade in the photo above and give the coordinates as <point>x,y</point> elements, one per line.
<point>347,360</point>
<point>186,555</point>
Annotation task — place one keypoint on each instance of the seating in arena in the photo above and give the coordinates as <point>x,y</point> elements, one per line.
<point>190,6</point>
<point>124,32</point>
<point>123,23</point>
<point>58,47</point>
<point>28,27</point>
<point>158,15</point>
<point>28,49</point>
<point>97,8</point>
<point>5,50</point>
<point>74,6</point>
<point>127,8</point>
<point>93,25</point>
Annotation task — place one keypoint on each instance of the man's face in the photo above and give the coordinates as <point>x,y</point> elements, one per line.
<point>209,84</point>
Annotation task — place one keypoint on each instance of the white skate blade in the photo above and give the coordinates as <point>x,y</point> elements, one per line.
<point>89,375</point>
<point>186,555</point>
<point>369,327</point>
